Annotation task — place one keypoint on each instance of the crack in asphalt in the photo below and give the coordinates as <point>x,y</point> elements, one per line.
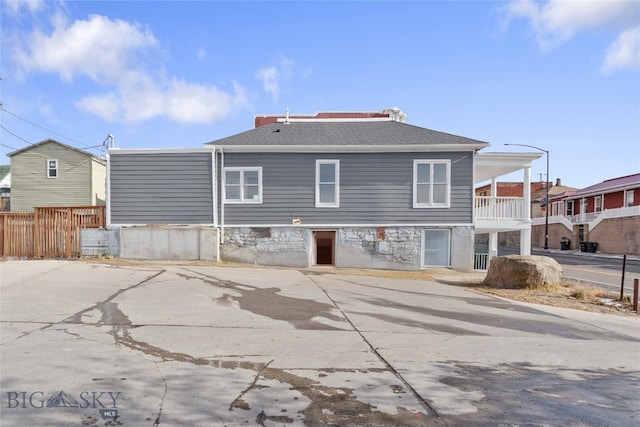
<point>77,317</point>
<point>238,401</point>
<point>268,302</point>
<point>156,423</point>
<point>423,401</point>
<point>104,305</point>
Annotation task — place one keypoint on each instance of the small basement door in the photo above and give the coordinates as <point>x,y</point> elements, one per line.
<point>324,243</point>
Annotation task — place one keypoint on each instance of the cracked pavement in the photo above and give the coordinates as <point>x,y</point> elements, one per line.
<point>194,345</point>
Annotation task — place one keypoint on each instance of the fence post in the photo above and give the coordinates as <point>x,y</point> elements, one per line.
<point>67,248</point>
<point>5,246</point>
<point>624,266</point>
<point>36,233</point>
<point>635,294</point>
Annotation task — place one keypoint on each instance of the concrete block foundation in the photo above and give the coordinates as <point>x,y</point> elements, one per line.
<point>169,243</point>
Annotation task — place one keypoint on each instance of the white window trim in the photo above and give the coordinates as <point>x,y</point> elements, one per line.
<point>56,169</point>
<point>422,244</point>
<point>628,198</point>
<point>596,199</point>
<point>336,203</point>
<point>432,162</point>
<point>242,200</point>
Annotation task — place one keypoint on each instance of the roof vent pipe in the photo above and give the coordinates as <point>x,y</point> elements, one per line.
<point>286,120</point>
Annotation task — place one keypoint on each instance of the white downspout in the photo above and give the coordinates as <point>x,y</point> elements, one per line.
<point>525,235</point>
<point>108,192</point>
<point>214,186</point>
<point>222,198</point>
<point>493,236</point>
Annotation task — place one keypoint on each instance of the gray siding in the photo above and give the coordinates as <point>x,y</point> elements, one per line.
<point>375,188</point>
<point>161,188</point>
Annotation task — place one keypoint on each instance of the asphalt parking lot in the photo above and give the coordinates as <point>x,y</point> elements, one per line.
<point>196,345</point>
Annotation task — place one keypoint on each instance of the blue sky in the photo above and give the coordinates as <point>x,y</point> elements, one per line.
<point>559,75</point>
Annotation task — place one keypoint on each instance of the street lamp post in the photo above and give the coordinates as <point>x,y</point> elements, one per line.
<point>546,207</point>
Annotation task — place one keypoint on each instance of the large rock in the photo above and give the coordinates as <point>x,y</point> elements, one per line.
<point>522,271</point>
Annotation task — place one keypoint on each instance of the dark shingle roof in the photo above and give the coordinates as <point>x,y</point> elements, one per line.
<point>51,141</point>
<point>328,133</point>
<point>614,184</point>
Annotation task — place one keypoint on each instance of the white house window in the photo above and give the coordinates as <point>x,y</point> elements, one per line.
<point>243,185</point>
<point>327,183</point>
<point>628,198</point>
<point>52,168</point>
<point>570,208</point>
<point>598,203</point>
<point>431,183</point>
<point>436,248</point>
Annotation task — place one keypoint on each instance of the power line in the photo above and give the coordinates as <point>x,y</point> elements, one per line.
<point>81,145</point>
<point>13,134</point>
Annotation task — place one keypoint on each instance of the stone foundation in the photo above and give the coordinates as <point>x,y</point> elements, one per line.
<point>393,248</point>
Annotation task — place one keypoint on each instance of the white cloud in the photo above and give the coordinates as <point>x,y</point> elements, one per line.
<point>556,21</point>
<point>270,80</point>
<point>275,76</point>
<point>112,54</point>
<point>14,7</point>
<point>624,52</point>
<point>139,98</point>
<point>98,48</point>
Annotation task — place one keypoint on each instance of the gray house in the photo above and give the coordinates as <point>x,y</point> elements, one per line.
<point>361,193</point>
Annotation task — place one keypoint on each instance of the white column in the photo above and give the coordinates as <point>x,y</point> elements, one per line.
<point>525,242</point>
<point>526,192</point>
<point>525,235</point>
<point>493,244</point>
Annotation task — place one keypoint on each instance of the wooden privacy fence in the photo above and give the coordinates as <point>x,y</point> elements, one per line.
<point>47,232</point>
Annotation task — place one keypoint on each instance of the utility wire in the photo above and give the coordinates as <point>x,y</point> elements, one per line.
<point>19,137</point>
<point>81,145</point>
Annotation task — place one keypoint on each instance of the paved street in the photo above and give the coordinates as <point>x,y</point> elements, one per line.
<point>196,345</point>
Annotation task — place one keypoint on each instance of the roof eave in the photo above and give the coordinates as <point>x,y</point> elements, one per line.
<point>349,148</point>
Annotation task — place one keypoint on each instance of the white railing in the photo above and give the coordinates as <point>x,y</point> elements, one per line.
<point>480,261</point>
<point>614,213</point>
<point>584,217</point>
<point>593,218</point>
<point>487,207</point>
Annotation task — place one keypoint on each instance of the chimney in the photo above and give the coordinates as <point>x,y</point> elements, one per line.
<point>558,183</point>
<point>396,114</point>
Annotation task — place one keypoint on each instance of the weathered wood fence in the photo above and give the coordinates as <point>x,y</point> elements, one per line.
<point>47,232</point>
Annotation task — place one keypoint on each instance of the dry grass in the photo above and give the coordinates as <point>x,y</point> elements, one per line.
<point>567,294</point>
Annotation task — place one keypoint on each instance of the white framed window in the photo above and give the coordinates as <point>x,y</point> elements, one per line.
<point>628,198</point>
<point>52,168</point>
<point>436,248</point>
<point>597,202</point>
<point>431,183</point>
<point>570,208</point>
<point>242,185</point>
<point>327,183</point>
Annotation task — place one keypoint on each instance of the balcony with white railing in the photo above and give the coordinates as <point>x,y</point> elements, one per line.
<point>487,207</point>
<point>591,218</point>
<point>500,213</point>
